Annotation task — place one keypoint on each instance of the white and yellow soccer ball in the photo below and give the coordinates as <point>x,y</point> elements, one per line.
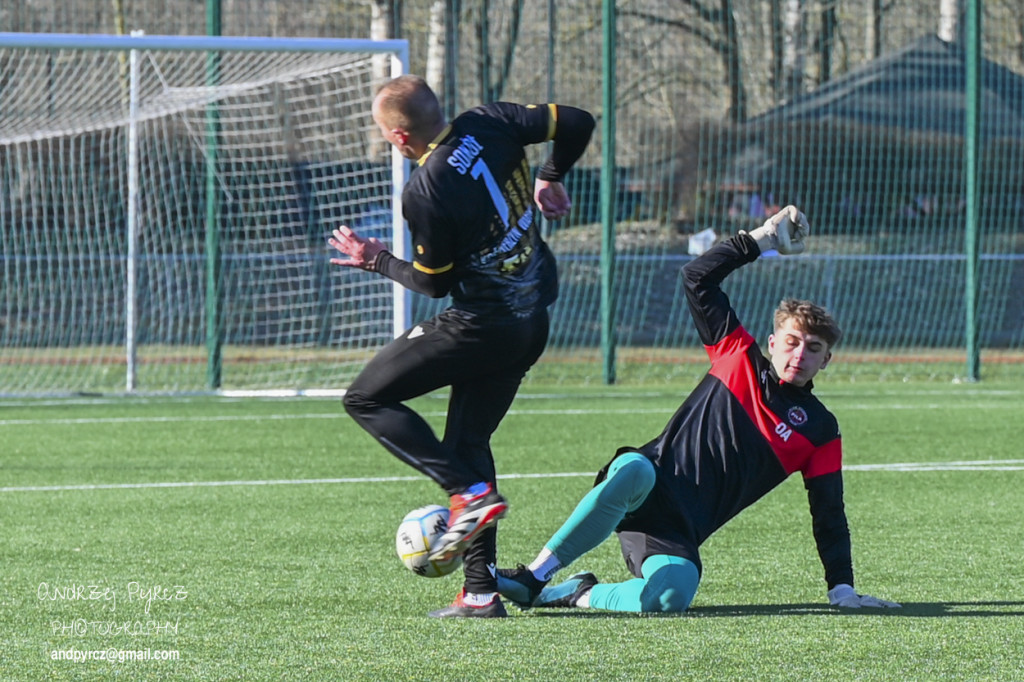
<point>417,533</point>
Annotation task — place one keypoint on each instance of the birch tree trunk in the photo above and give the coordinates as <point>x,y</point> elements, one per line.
<point>435,47</point>
<point>794,44</point>
<point>382,27</point>
<point>950,12</point>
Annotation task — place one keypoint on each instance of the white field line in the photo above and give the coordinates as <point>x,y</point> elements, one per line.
<point>977,465</point>
<point>980,465</point>
<point>440,413</point>
<point>281,417</point>
<point>219,484</point>
<point>184,399</point>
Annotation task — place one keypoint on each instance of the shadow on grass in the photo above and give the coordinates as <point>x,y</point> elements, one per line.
<point>976,609</point>
<point>909,610</point>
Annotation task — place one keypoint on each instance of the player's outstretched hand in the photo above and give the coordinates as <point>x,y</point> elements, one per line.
<point>551,198</point>
<point>362,253</point>
<point>783,232</point>
<point>845,597</point>
<point>790,229</point>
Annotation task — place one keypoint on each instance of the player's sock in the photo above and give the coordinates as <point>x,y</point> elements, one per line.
<point>476,489</point>
<point>479,598</point>
<point>545,565</point>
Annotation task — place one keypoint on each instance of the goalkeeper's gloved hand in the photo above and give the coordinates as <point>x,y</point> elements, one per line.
<point>783,232</point>
<point>846,597</point>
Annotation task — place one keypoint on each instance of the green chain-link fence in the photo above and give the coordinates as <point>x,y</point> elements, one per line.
<point>857,111</point>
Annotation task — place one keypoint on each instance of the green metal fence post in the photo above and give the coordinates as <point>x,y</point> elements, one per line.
<point>214,327</point>
<point>608,192</point>
<point>973,57</point>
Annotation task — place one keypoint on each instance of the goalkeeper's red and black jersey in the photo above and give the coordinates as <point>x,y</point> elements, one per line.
<point>470,210</point>
<point>742,431</point>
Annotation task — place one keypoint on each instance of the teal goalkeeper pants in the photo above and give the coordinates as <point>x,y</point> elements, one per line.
<point>669,583</point>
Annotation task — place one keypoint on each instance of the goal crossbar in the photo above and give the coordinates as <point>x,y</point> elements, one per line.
<point>124,43</point>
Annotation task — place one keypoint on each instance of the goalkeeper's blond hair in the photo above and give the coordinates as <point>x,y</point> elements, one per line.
<point>809,318</point>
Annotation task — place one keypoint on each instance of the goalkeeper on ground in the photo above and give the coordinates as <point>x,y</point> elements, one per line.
<point>750,423</point>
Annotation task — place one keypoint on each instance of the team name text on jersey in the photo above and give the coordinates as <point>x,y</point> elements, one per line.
<point>462,158</point>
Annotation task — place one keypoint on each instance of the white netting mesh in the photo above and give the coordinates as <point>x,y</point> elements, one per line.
<point>294,152</point>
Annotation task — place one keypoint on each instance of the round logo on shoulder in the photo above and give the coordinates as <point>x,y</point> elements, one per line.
<point>797,416</point>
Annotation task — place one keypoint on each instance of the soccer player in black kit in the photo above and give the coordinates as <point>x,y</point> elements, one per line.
<point>469,206</point>
<point>749,424</point>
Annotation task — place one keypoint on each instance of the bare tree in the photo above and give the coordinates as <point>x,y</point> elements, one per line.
<point>826,41</point>
<point>874,35</point>
<point>435,46</point>
<point>492,85</point>
<point>383,19</point>
<point>1020,37</point>
<point>773,47</point>
<point>717,28</point>
<point>950,24</point>
<point>794,46</point>
<point>383,26</point>
<point>452,38</point>
<point>732,60</point>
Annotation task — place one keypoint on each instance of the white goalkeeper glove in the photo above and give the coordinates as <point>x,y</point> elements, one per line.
<point>845,597</point>
<point>783,232</point>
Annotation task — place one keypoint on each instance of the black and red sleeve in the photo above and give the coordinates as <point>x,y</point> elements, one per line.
<point>830,527</point>
<point>712,313</point>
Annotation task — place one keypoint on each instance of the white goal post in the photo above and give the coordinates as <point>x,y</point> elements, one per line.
<point>164,208</point>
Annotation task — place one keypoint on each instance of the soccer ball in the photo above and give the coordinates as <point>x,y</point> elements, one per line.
<point>417,533</point>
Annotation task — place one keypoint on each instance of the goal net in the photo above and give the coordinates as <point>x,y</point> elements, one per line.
<point>164,209</point>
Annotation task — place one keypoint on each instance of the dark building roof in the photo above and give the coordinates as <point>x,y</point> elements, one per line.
<point>920,87</point>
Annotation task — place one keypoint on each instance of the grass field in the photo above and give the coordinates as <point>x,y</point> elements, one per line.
<point>268,526</point>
